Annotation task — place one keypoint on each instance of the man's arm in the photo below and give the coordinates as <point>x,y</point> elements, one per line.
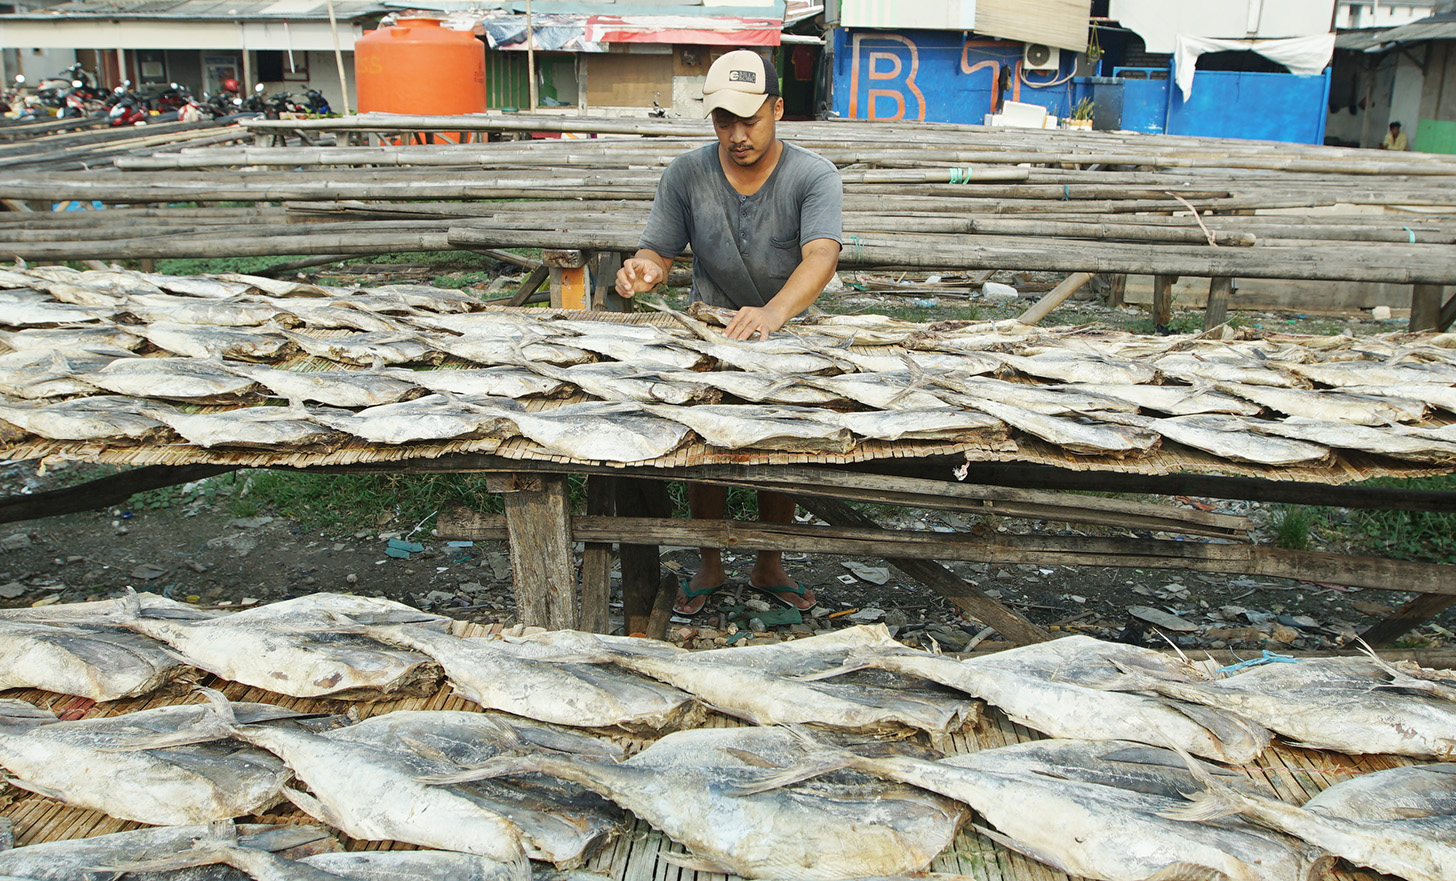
<point>819,259</point>
<point>641,272</point>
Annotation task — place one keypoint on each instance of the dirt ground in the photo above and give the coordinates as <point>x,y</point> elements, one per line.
<point>196,550</point>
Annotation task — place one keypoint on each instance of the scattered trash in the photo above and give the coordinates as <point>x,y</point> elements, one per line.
<point>1162,619</point>
<point>12,590</point>
<point>998,292</point>
<point>401,549</point>
<point>148,572</point>
<point>872,574</point>
<point>15,542</point>
<point>865,616</point>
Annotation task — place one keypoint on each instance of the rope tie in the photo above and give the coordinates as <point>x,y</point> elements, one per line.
<point>1410,232</point>
<point>1267,658</point>
<point>1066,193</point>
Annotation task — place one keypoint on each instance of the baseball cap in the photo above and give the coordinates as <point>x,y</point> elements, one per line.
<point>739,82</point>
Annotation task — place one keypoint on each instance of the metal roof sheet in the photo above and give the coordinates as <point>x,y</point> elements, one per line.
<point>202,9</point>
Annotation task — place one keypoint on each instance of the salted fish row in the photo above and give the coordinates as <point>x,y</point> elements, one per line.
<point>842,825</point>
<point>1090,809</point>
<point>1054,687</point>
<point>74,762</point>
<point>290,647</point>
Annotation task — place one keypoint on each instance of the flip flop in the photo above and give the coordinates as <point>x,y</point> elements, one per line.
<point>773,594</point>
<point>690,594</point>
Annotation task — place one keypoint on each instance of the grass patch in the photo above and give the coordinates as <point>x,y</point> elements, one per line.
<point>215,265</point>
<point>351,502</point>
<point>1422,536</point>
<point>1293,525</point>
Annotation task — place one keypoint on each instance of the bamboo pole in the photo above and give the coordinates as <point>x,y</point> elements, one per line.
<point>1058,295</point>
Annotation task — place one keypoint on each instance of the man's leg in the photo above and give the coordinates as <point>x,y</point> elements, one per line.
<point>768,569</point>
<point>705,502</point>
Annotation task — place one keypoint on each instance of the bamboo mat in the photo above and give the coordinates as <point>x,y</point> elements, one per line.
<point>992,446</point>
<point>1295,774</point>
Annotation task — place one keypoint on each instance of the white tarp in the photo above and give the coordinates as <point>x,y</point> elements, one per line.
<point>1306,56</point>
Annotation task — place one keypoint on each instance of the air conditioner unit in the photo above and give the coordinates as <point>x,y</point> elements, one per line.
<point>1035,56</point>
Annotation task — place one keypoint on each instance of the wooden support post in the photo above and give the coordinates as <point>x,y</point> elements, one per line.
<point>965,596</point>
<point>1448,314</point>
<point>1425,307</point>
<point>604,283</point>
<point>1163,301</point>
<point>1117,291</point>
<point>1219,288</point>
<point>1054,298</point>
<point>596,557</point>
<point>1412,615</point>
<point>642,579</point>
<point>570,278</point>
<point>538,529</point>
<point>531,285</point>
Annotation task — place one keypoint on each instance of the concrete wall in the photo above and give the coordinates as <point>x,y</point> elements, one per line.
<point>1379,13</point>
<point>1160,21</point>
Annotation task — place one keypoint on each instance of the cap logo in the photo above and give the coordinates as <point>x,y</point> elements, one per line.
<point>742,76</point>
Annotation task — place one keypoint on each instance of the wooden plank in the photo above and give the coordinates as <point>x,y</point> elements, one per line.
<point>596,557</point>
<point>103,491</point>
<point>543,571</point>
<point>1117,290</point>
<point>1426,303</point>
<point>962,594</point>
<point>1219,288</point>
<point>1410,616</point>
<point>1055,297</point>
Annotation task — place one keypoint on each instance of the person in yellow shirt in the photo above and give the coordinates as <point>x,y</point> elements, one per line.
<point>1395,139</point>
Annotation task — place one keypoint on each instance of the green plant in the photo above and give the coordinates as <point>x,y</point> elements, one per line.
<point>1292,526</point>
<point>1083,109</point>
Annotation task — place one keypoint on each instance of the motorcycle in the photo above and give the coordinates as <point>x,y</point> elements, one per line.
<point>13,98</point>
<point>317,103</point>
<point>127,107</point>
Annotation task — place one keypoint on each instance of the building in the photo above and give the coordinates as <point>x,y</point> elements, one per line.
<point>1404,74</point>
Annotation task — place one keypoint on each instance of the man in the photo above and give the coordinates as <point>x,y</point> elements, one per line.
<point>1395,139</point>
<point>763,219</point>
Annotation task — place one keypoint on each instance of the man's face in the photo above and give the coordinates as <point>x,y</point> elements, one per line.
<point>746,140</point>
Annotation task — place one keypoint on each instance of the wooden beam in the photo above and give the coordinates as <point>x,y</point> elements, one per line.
<point>1219,288</point>
<point>1054,298</point>
<point>1448,313</point>
<point>543,571</point>
<point>530,286</point>
<point>103,491</point>
<point>642,577</point>
<point>961,593</point>
<point>1426,305</point>
<point>1410,616</point>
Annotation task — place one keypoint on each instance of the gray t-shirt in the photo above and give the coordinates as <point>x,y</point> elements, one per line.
<point>744,247</point>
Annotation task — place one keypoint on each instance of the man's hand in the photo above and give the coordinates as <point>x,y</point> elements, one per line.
<point>637,275</point>
<point>751,320</point>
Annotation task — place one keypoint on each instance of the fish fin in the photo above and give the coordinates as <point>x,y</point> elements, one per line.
<point>501,766</point>
<point>36,788</point>
<point>1229,729</point>
<point>697,864</point>
<point>217,723</point>
<point>313,807</point>
<point>23,714</point>
<point>215,846</point>
<point>851,664</point>
<point>767,781</point>
<point>1187,872</point>
<point>1021,848</point>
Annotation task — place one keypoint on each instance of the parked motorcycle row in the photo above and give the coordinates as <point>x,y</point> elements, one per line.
<point>73,94</point>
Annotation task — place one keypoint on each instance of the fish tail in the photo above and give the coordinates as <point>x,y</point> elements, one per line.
<point>1206,806</point>
<point>217,723</point>
<point>21,714</point>
<point>218,845</point>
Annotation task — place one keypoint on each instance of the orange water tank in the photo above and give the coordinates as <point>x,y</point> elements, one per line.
<point>419,67</point>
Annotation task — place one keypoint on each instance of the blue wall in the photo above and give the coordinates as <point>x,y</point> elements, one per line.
<point>936,76</point>
<point>1258,106</point>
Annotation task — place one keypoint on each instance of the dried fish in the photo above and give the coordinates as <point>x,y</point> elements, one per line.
<point>1408,793</point>
<point>1201,368</point>
<point>431,418</point>
<point>235,312</point>
<point>742,426</point>
<point>1065,366</point>
<point>37,374</point>
<point>616,381</point>
<point>265,427</point>
<point>364,791</point>
<point>502,346</point>
<point>1349,436</point>
<point>98,663</point>
<point>1053,688</point>
<point>842,826</point>
<point>31,314</point>
<point>1347,373</point>
<point>1176,400</point>
<point>944,424</point>
<point>78,859</point>
<point>433,299</point>
<point>880,391</point>
<point>963,364</point>
<point>1046,400</point>
<point>1418,846</point>
<point>757,387</point>
<point>1330,406</point>
<point>559,822</point>
<point>1233,438</point>
<point>547,686</point>
<point>289,647</point>
<point>87,337</point>
<point>1351,705</point>
<point>602,431</point>
<point>325,315</point>
<point>73,762</point>
<point>637,353</point>
<point>1092,810</point>
<point>186,379</point>
<point>1076,436</point>
<point>99,417</point>
<point>370,348</point>
<point>195,341</point>
<point>478,382</point>
<point>196,286</point>
<point>337,388</point>
<point>776,356</point>
<point>1431,394</point>
<point>275,287</point>
<point>765,687</point>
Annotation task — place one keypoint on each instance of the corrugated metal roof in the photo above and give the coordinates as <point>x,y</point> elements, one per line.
<point>203,9</point>
<point>1436,27</point>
